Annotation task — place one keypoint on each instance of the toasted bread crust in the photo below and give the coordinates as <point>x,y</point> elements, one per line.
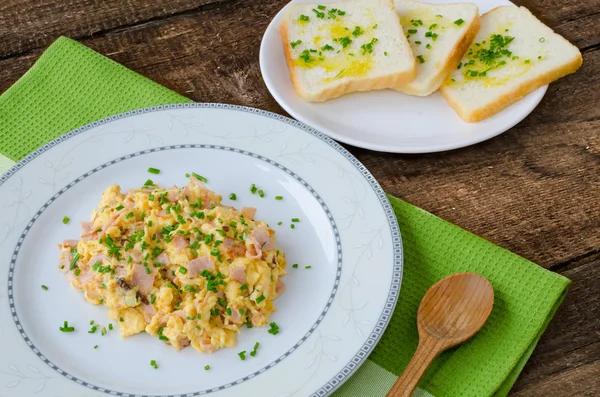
<point>454,57</point>
<point>473,116</point>
<point>344,86</point>
<point>511,97</point>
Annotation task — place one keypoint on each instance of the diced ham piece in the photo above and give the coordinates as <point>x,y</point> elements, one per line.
<point>185,342</point>
<point>233,247</point>
<point>180,313</point>
<point>253,253</point>
<point>173,195</point>
<point>163,258</point>
<point>238,274</point>
<point>136,255</point>
<point>196,266</point>
<point>148,311</point>
<point>180,242</point>
<point>142,279</point>
<point>249,212</point>
<point>263,238</point>
<point>70,243</point>
<point>279,288</point>
<point>86,227</point>
<point>235,316</point>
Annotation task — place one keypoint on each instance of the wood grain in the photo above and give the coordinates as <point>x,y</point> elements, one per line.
<point>534,190</point>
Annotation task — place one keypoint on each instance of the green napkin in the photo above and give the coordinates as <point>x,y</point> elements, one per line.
<point>70,85</point>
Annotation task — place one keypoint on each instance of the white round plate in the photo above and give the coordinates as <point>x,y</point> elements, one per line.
<point>331,315</point>
<point>386,120</point>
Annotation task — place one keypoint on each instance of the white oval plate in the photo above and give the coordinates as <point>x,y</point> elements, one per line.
<point>386,120</point>
<point>331,315</point>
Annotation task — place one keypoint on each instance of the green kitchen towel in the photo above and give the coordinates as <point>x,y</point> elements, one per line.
<point>71,85</point>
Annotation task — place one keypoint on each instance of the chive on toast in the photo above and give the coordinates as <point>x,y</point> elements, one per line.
<point>333,49</point>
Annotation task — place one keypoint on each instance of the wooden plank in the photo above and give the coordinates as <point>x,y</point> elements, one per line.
<point>571,346</point>
<point>581,382</point>
<point>31,24</point>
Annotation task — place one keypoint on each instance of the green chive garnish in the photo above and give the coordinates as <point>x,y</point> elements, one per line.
<point>206,367</point>
<point>274,329</point>
<point>199,177</point>
<point>243,287</point>
<point>260,299</point>
<point>153,170</point>
<point>95,347</point>
<point>242,355</point>
<point>295,219</point>
<point>44,287</point>
<point>149,182</point>
<point>119,208</point>
<point>295,266</point>
<point>153,364</point>
<point>278,198</point>
<point>253,352</point>
<point>66,327</point>
<point>110,326</point>
<point>307,267</point>
<point>66,220</point>
<point>182,270</point>
<point>459,22</point>
<point>253,188</point>
<point>232,196</point>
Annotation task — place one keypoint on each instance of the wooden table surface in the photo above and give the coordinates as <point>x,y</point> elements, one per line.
<point>534,190</point>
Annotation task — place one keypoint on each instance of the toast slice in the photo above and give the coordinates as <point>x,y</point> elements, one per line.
<point>439,35</point>
<point>332,49</point>
<point>512,55</point>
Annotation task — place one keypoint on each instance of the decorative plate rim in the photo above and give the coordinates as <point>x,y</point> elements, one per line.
<point>398,255</point>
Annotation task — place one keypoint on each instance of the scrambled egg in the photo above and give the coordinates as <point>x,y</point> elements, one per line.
<point>177,264</point>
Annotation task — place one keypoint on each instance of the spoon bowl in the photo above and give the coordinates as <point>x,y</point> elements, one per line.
<point>452,311</point>
<point>456,307</point>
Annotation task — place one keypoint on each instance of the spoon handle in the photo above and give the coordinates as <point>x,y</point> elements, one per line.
<point>427,350</point>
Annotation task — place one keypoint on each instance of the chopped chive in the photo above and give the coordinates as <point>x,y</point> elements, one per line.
<point>119,208</point>
<point>242,355</point>
<point>385,53</point>
<point>459,22</point>
<point>260,299</point>
<point>542,39</point>
<point>278,198</point>
<point>295,266</point>
<point>95,347</point>
<point>228,311</point>
<point>292,226</point>
<point>295,219</point>
<point>261,194</point>
<point>74,261</point>
<point>66,327</point>
<point>253,352</point>
<point>280,223</point>
<point>253,188</point>
<point>206,367</point>
<point>243,287</point>
<point>77,272</point>
<point>149,182</point>
<point>153,364</point>
<point>110,326</point>
<point>121,319</point>
<point>93,329</point>
<point>129,215</point>
<point>232,196</point>
<point>153,170</point>
<point>274,329</point>
<point>152,299</point>
<point>92,322</point>
<point>103,332</point>
<point>182,270</point>
<point>66,220</point>
<point>44,287</point>
<point>199,177</point>
<point>151,197</point>
<point>307,267</point>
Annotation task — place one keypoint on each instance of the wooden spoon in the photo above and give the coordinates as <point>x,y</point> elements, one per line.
<point>451,312</point>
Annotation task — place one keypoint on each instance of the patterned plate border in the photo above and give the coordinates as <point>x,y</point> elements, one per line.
<point>394,290</point>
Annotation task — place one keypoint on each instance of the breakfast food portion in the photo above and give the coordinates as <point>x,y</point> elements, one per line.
<point>439,36</point>
<point>177,264</point>
<point>480,64</point>
<point>338,48</point>
<point>512,55</point>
